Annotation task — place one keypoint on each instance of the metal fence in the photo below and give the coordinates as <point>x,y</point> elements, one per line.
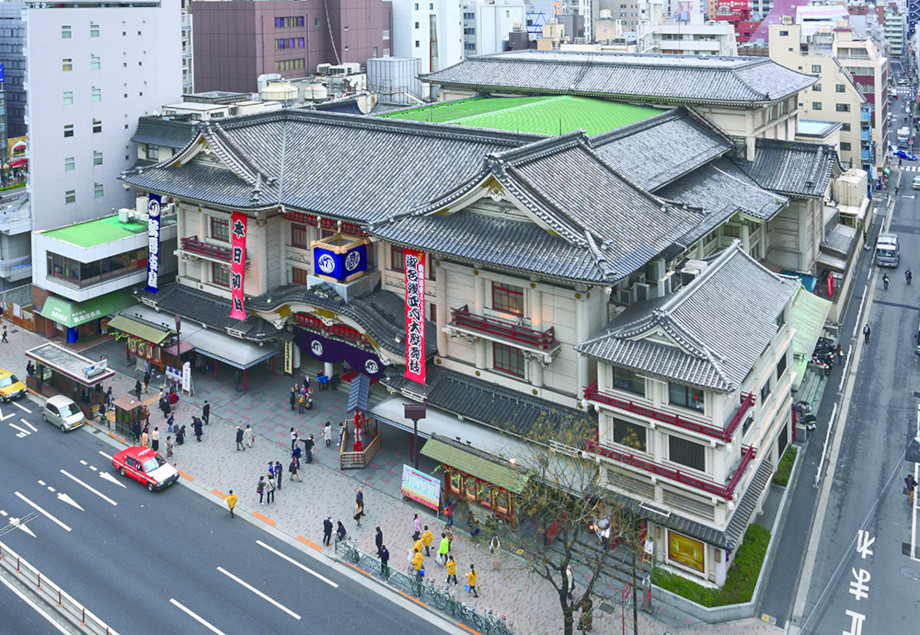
<point>430,594</point>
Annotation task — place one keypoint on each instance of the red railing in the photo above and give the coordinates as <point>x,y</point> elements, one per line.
<point>195,246</point>
<point>725,491</point>
<point>523,334</point>
<point>723,434</point>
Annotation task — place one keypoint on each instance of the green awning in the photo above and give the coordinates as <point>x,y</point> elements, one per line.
<point>809,312</point>
<point>72,314</point>
<point>138,329</point>
<point>476,464</point>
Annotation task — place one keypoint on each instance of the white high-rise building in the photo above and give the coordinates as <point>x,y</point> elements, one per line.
<point>417,24</point>
<point>487,23</point>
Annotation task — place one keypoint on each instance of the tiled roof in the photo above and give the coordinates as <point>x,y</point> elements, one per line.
<point>477,463</point>
<point>795,168</point>
<point>168,133</point>
<point>655,78</point>
<point>661,149</point>
<point>382,314</point>
<point>600,226</point>
<point>206,309</point>
<point>196,182</point>
<point>718,326</point>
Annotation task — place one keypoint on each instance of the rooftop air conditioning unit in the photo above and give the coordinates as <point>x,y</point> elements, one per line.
<point>323,69</point>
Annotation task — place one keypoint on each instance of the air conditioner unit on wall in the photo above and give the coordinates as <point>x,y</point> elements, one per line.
<point>624,296</point>
<point>641,292</point>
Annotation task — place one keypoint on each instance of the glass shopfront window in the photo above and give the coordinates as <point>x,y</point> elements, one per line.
<point>85,274</point>
<point>686,551</point>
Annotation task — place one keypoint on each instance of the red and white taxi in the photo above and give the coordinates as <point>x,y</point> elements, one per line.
<point>146,466</point>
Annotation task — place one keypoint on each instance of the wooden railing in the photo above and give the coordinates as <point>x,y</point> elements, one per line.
<point>525,335</point>
<point>193,245</point>
<point>350,460</point>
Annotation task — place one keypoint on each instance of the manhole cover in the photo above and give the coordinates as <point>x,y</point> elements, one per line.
<point>910,574</point>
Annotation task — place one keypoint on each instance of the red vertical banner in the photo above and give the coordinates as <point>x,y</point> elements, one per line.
<point>415,315</point>
<point>238,224</point>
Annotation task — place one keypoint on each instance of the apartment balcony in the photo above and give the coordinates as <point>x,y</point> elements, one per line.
<point>502,330</point>
<point>16,215</point>
<point>865,155</point>
<point>865,115</point>
<point>726,491</point>
<point>865,134</point>
<point>722,434</point>
<point>16,269</point>
<point>194,247</point>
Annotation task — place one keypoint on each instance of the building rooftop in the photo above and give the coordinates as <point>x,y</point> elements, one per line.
<point>97,232</point>
<point>556,114</point>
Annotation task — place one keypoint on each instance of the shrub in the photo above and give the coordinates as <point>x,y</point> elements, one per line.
<point>14,185</point>
<point>741,580</point>
<point>784,470</point>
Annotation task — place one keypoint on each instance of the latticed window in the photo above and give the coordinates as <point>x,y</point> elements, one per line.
<point>507,298</point>
<point>508,359</point>
<point>220,229</point>
<point>220,275</point>
<point>299,235</point>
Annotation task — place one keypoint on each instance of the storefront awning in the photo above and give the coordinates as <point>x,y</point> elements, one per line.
<point>146,332</point>
<point>809,312</point>
<point>490,471</point>
<point>229,350</point>
<point>72,314</point>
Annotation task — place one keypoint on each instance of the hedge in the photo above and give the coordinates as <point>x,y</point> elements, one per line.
<point>741,580</point>
<point>10,187</point>
<point>781,477</point>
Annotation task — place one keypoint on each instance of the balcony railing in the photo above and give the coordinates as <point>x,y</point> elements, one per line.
<point>544,340</point>
<point>723,434</point>
<point>711,487</point>
<point>193,245</point>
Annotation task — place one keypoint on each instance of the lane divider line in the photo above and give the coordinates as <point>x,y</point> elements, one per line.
<point>26,423</point>
<point>310,543</point>
<point>196,617</point>
<point>264,519</point>
<point>43,512</point>
<point>299,565</point>
<point>259,593</point>
<point>89,487</point>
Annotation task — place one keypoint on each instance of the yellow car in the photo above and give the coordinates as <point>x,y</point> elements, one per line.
<point>10,386</point>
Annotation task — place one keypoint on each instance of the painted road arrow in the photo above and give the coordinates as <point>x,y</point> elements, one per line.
<point>111,479</point>
<point>64,498</point>
<point>4,417</point>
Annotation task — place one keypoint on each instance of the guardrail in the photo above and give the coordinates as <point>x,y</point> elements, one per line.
<point>47,591</point>
<point>428,593</point>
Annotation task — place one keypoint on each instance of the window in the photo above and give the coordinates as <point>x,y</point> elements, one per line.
<point>416,6</point>
<point>784,33</point>
<point>316,22</point>
<point>845,147</point>
<point>97,158</point>
<point>416,25</point>
<point>815,68</point>
<point>93,30</point>
<point>781,367</point>
<point>630,434</point>
<point>816,88</point>
<point>686,551</point>
<point>67,64</point>
<point>680,395</point>
<point>845,127</point>
<point>508,359</point>
<point>97,126</point>
<point>843,107</point>
<point>68,97</point>
<point>765,391</point>
<point>96,94</point>
<point>417,44</point>
<point>66,32</point>
<point>688,453</point>
<point>507,298</point>
<point>397,258</point>
<point>386,36</point>
<point>840,88</point>
<point>299,276</point>
<point>95,63</point>
<point>70,196</point>
<point>220,275</point>
<point>627,380</point>
<point>432,312</point>
<point>68,130</point>
<point>97,190</point>
<point>220,229</point>
<point>289,65</point>
<point>299,235</point>
<point>153,151</point>
<point>816,105</point>
<point>69,164</point>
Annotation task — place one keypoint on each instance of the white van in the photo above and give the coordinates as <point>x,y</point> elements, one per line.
<point>63,412</point>
<point>887,250</point>
<point>903,134</point>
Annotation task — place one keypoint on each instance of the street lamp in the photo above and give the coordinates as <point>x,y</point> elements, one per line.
<point>415,411</point>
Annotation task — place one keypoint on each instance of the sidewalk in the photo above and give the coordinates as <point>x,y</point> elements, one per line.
<point>505,584</point>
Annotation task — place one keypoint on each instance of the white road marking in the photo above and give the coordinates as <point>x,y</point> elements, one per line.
<point>3,513</point>
<point>105,455</point>
<point>21,407</point>
<point>82,462</point>
<point>43,512</point>
<point>195,617</point>
<point>35,607</point>
<point>89,487</point>
<point>111,479</point>
<point>4,417</point>
<point>64,498</point>
<point>26,423</point>
<point>259,593</point>
<point>93,468</point>
<point>42,483</point>
<point>22,431</point>
<point>297,564</point>
<point>51,489</point>
<point>17,522</point>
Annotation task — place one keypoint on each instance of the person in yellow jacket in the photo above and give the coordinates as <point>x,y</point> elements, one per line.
<point>451,570</point>
<point>427,537</point>
<point>471,580</point>
<point>231,502</point>
<point>418,546</point>
<point>417,561</point>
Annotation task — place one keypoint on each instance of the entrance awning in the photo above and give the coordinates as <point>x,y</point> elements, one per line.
<point>72,314</point>
<point>474,464</point>
<point>146,332</point>
<point>809,312</point>
<point>229,350</point>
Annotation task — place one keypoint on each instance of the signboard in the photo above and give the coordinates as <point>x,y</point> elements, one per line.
<point>187,377</point>
<point>95,369</point>
<point>153,243</point>
<point>421,487</point>
<point>238,225</point>
<point>289,357</point>
<point>340,266</point>
<point>326,349</point>
<point>415,315</point>
<point>1,73</point>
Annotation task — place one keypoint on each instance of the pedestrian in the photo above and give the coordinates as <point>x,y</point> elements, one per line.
<point>306,382</point>
<point>260,489</point>
<point>443,548</point>
<point>164,405</point>
<point>206,412</point>
<point>109,398</point>
<point>908,276</point>
<point>359,500</point>
<point>570,584</point>
<point>173,398</point>
<point>279,471</point>
<point>885,280</point>
<point>357,515</point>
<point>137,389</point>
<point>170,421</point>
<point>296,454</point>
<point>340,531</point>
<point>146,381</point>
<point>295,437</point>
<point>155,439</point>
<point>378,539</point>
<point>418,546</point>
<point>341,434</point>
<point>427,537</point>
<point>196,425</point>
<point>471,580</point>
<point>231,502</point>
<point>418,563</point>
<point>449,512</point>
<point>384,560</point>
<point>169,446</point>
<point>180,435</point>
<point>239,439</point>
<point>145,438</point>
<point>327,531</point>
<point>248,437</point>
<point>867,332</point>
<point>293,397</point>
<point>451,570</point>
<point>308,445</point>
<point>3,339</point>
<point>417,526</point>
<point>237,378</point>
<point>911,483</point>
<point>301,403</point>
<point>270,489</point>
<point>294,469</point>
<point>136,430</point>
<point>327,433</point>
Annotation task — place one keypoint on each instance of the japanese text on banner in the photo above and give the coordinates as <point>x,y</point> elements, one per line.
<point>238,224</point>
<point>415,315</point>
<point>153,243</point>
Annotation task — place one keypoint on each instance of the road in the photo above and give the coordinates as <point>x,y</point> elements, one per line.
<point>171,561</point>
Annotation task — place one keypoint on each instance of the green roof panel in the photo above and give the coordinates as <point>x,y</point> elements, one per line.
<point>541,115</point>
<point>97,232</point>
<point>132,327</point>
<point>475,464</point>
<point>72,314</point>
<point>809,312</point>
